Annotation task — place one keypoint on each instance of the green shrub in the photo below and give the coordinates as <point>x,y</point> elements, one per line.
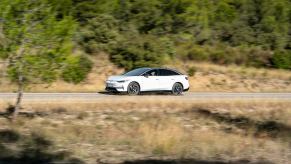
<point>220,57</point>
<point>141,51</point>
<point>99,34</point>
<point>191,71</point>
<point>224,54</point>
<point>282,59</point>
<point>198,54</point>
<point>257,57</point>
<point>77,69</point>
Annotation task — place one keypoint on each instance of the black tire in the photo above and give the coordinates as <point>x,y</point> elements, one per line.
<point>133,88</point>
<point>177,89</point>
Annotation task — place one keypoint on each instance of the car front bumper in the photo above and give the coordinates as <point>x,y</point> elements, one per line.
<point>115,87</point>
<point>112,89</point>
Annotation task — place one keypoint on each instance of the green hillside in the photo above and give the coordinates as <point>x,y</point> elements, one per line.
<point>139,33</point>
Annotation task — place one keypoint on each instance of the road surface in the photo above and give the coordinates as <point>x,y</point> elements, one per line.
<point>187,95</point>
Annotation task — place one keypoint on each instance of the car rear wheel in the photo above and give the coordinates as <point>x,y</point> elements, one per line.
<point>177,89</point>
<point>133,88</point>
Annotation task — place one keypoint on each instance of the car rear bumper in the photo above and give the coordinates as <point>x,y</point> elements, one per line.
<point>187,89</point>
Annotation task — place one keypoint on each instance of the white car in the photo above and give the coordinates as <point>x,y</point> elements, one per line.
<point>148,79</point>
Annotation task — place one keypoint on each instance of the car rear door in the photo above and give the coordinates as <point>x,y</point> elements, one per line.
<point>166,79</point>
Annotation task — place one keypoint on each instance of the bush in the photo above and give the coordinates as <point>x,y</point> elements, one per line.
<point>282,59</point>
<point>223,54</point>
<point>257,57</point>
<point>198,54</point>
<point>220,57</point>
<point>191,71</point>
<point>141,51</point>
<point>77,69</point>
<point>99,34</point>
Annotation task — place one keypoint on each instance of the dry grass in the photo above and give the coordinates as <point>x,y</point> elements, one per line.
<point>211,77</point>
<point>208,77</point>
<point>268,108</point>
<point>171,138</point>
<point>115,131</point>
<point>162,137</point>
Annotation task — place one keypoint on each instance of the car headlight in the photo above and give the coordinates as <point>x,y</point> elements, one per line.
<point>122,81</point>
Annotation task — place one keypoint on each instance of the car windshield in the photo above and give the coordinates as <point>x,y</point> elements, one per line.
<point>136,72</point>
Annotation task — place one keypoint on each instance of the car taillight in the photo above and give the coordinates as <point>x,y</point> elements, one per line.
<point>186,78</point>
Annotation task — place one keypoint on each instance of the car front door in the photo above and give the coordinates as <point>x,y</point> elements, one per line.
<point>150,81</point>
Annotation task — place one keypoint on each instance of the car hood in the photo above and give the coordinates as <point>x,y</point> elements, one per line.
<point>117,78</point>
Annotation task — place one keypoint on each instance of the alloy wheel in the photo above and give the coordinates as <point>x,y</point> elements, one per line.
<point>177,89</point>
<point>133,88</point>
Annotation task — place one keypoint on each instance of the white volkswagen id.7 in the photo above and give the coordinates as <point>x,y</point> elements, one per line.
<point>148,79</point>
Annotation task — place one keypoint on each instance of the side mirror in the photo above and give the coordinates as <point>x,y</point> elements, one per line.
<point>146,75</point>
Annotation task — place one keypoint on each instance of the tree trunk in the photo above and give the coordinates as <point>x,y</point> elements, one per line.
<point>17,106</point>
<point>20,82</point>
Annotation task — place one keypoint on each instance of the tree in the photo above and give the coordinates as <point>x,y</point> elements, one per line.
<point>38,43</point>
<point>134,52</point>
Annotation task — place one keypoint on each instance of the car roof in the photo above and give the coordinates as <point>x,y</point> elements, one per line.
<point>150,68</point>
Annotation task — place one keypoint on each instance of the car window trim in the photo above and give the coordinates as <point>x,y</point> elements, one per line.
<point>149,70</point>
<point>175,71</point>
<point>160,69</point>
<point>159,73</point>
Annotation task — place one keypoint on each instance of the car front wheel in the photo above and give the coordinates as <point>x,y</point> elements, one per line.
<point>133,88</point>
<point>177,89</point>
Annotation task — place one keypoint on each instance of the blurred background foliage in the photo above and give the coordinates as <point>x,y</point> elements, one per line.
<point>138,33</point>
<point>38,43</point>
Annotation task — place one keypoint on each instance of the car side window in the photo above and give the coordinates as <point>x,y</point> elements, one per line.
<point>166,72</point>
<point>152,73</point>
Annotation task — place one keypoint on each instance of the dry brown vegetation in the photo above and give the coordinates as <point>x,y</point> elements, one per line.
<point>162,129</point>
<point>207,77</point>
<point>211,77</point>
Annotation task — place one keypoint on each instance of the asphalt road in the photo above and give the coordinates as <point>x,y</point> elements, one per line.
<point>187,95</point>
